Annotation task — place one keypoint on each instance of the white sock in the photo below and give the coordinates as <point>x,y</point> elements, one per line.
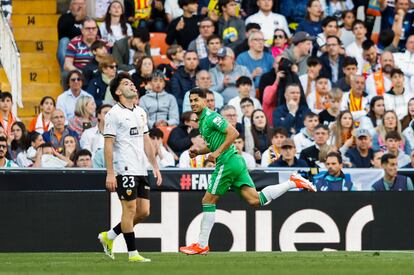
<point>207,222</point>
<point>272,192</point>
<point>132,253</point>
<point>112,235</point>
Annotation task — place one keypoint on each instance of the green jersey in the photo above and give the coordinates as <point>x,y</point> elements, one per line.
<point>212,127</point>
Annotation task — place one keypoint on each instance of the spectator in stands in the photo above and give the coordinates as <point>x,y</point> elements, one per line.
<point>78,52</point>
<point>244,85</point>
<point>380,81</point>
<point>2,132</point>
<point>268,87</point>
<point>148,14</point>
<point>142,74</point>
<point>70,148</point>
<point>376,159</point>
<point>184,78</point>
<point>268,20</point>
<point>18,140</point>
<point>248,158</point>
<point>342,133</point>
<point>347,37</point>
<point>288,156</point>
<point>161,107</point>
<point>115,26</point>
<point>356,100</point>
<point>308,80</point>
<point>48,157</point>
<point>375,114</point>
<point>392,143</point>
<point>389,123</point>
<point>280,42</point>
<point>184,29</point>
<point>311,154</point>
<point>370,63</point>
<point>361,156</point>
<point>388,14</point>
<point>334,179</point>
<point>392,181</point>
<point>350,68</point>
<point>411,164</point>
<point>59,131</point>
<point>214,43</point>
<point>300,51</point>
<point>337,7</point>
<point>355,48</point>
<point>225,75</point>
<point>179,139</point>
<point>304,138</point>
<point>124,49</point>
<point>329,115</point>
<point>83,159</point>
<point>332,60</point>
<point>67,100</point>
<point>4,161</point>
<point>230,27</point>
<point>313,19</point>
<point>99,86</point>
<point>261,134</point>
<point>100,52</point>
<point>318,100</point>
<point>272,154</point>
<point>329,28</point>
<point>175,53</point>
<point>42,123</point>
<point>69,26</point>
<point>7,118</point>
<point>398,97</point>
<point>406,120</point>
<point>404,60</point>
<point>244,45</point>
<point>172,10</point>
<point>214,99</point>
<point>247,107</point>
<point>290,115</point>
<point>92,139</point>
<point>27,158</point>
<point>198,162</point>
<point>256,60</point>
<point>84,118</point>
<point>164,158</point>
<point>199,45</point>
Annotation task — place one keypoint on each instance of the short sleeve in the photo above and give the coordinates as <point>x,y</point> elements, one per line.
<point>145,121</point>
<point>219,123</point>
<point>110,125</point>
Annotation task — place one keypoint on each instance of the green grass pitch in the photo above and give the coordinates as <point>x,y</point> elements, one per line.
<point>218,263</point>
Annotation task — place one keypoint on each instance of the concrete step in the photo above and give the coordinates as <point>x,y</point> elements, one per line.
<point>26,120</point>
<point>31,107</point>
<point>35,20</point>
<point>40,75</point>
<point>35,34</point>
<point>39,59</point>
<point>37,46</point>
<point>34,7</point>
<point>41,90</point>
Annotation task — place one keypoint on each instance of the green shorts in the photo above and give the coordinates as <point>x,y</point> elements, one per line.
<point>232,173</point>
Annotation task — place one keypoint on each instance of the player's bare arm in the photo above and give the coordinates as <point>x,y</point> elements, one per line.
<point>110,174</point>
<point>150,152</point>
<point>231,136</point>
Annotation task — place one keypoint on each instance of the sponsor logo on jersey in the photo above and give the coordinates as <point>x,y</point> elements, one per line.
<point>133,131</point>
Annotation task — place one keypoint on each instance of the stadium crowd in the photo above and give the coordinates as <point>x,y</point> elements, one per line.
<point>306,85</point>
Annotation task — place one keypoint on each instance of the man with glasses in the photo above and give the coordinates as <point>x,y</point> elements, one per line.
<point>332,61</point>
<point>256,60</point>
<point>230,114</point>
<point>199,45</point>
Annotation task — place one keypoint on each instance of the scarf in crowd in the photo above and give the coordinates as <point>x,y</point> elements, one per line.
<point>195,164</point>
<point>355,104</point>
<point>142,10</point>
<point>379,82</point>
<point>10,120</point>
<point>41,126</point>
<point>321,102</point>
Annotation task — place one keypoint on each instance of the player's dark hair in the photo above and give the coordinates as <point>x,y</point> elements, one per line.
<point>313,61</point>
<point>393,135</point>
<point>113,86</point>
<point>386,157</point>
<point>335,155</point>
<point>328,20</point>
<point>367,44</point>
<point>246,99</point>
<point>243,80</point>
<point>4,95</point>
<point>198,91</point>
<point>280,131</point>
<point>395,71</point>
<point>349,60</point>
<point>155,133</point>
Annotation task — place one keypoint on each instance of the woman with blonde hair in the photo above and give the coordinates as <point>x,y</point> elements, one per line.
<point>84,118</point>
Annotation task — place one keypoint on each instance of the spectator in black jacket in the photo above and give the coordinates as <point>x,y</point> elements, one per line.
<point>99,50</point>
<point>184,78</point>
<point>311,154</point>
<point>179,139</point>
<point>332,61</point>
<point>288,158</point>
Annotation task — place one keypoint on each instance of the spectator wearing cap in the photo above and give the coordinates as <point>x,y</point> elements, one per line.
<point>256,60</point>
<point>124,49</point>
<point>362,155</point>
<point>333,179</point>
<point>288,156</point>
<point>332,60</point>
<point>268,20</point>
<point>161,106</point>
<point>244,45</point>
<point>398,97</point>
<point>225,75</point>
<point>199,45</point>
<point>391,180</point>
<point>299,53</point>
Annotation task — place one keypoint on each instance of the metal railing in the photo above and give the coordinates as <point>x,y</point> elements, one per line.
<point>10,60</point>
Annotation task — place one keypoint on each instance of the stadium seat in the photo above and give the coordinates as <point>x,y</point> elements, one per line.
<point>375,37</point>
<point>157,41</point>
<point>166,131</point>
<point>160,59</point>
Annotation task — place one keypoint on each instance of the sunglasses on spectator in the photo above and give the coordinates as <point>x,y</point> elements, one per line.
<point>75,79</point>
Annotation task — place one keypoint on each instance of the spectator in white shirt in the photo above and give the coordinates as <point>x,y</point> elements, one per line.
<point>164,158</point>
<point>239,144</point>
<point>355,48</point>
<point>405,60</point>
<point>397,98</point>
<point>308,80</point>
<point>380,81</point>
<point>199,161</point>
<point>317,101</point>
<point>304,138</point>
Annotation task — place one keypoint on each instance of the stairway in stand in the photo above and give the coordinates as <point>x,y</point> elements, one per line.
<point>35,31</point>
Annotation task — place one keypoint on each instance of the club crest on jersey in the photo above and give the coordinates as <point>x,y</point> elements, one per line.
<point>133,131</point>
<point>129,192</point>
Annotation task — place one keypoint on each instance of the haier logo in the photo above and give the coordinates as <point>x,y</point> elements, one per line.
<point>133,131</point>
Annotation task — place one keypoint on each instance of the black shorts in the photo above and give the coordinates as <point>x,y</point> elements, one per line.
<point>131,187</point>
